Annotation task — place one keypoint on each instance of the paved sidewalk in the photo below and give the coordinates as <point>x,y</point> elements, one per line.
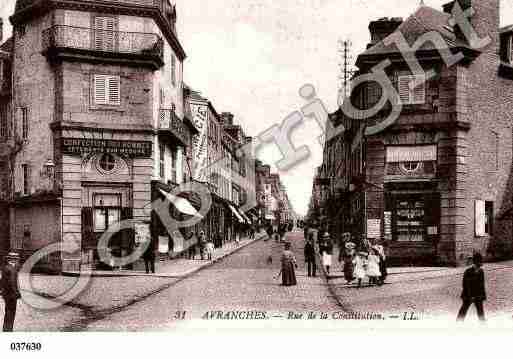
<point>405,274</point>
<point>177,268</point>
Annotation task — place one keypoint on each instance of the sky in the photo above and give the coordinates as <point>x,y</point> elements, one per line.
<point>251,58</point>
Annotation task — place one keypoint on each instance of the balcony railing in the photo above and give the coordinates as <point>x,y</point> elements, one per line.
<point>61,39</point>
<point>169,123</point>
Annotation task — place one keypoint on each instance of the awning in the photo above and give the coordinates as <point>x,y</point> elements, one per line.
<point>181,204</point>
<point>236,214</point>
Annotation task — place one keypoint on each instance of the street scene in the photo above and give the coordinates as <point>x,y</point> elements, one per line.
<point>172,165</point>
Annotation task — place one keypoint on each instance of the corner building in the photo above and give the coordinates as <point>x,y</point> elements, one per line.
<point>436,185</point>
<point>97,122</point>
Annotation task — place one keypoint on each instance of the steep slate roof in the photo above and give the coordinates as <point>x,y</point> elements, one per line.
<point>423,21</point>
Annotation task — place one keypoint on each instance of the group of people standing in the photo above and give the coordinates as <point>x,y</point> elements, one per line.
<point>367,263</point>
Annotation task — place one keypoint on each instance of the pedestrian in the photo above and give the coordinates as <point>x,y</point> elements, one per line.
<point>348,262</point>
<point>202,244</point>
<point>360,264</point>
<point>473,289</point>
<point>210,249</point>
<point>382,263</point>
<point>373,267</point>
<point>9,289</point>
<point>310,259</point>
<point>149,259</point>
<point>288,266</point>
<point>326,250</point>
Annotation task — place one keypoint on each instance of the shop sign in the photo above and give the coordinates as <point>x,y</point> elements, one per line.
<point>374,228</point>
<point>78,146</point>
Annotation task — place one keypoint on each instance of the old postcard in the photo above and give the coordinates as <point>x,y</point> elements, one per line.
<point>321,165</point>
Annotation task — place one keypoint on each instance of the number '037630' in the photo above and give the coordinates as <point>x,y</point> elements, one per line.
<point>25,347</point>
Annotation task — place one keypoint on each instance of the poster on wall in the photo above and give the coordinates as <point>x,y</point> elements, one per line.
<point>374,228</point>
<point>142,233</point>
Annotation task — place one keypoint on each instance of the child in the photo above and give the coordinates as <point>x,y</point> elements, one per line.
<point>360,263</point>
<point>373,271</point>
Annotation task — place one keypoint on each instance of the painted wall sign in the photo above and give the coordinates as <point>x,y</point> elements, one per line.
<point>142,233</point>
<point>78,146</point>
<point>200,143</point>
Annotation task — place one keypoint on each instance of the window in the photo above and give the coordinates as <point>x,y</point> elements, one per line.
<point>410,95</point>
<point>489,218</point>
<point>410,167</point>
<point>4,127</point>
<point>104,34</point>
<point>107,90</point>
<point>24,123</point>
<point>26,179</point>
<point>409,219</point>
<point>174,161</point>
<point>107,162</point>
<point>173,70</point>
<point>162,167</point>
<point>22,29</point>
<point>107,211</point>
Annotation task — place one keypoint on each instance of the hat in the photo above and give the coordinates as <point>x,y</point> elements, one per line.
<point>326,235</point>
<point>12,255</point>
<point>350,245</point>
<point>363,254</point>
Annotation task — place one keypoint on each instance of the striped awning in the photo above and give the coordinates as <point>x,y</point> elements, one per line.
<point>182,204</point>
<point>236,213</point>
<point>411,153</point>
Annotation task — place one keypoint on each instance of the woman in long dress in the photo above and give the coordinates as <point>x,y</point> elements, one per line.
<point>326,252</point>
<point>288,265</point>
<point>348,264</point>
<point>360,263</point>
<point>373,271</point>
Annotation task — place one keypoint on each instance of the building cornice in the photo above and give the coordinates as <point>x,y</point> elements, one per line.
<point>41,7</point>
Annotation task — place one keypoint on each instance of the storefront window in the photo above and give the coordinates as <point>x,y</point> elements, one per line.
<point>409,216</point>
<point>107,211</point>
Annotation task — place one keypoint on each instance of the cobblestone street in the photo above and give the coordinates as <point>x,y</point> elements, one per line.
<point>247,281</point>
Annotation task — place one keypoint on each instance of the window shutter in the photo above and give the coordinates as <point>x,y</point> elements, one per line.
<point>114,90</point>
<point>100,89</point>
<point>104,33</point>
<point>88,236</point>
<point>419,92</point>
<point>480,218</point>
<point>404,89</point>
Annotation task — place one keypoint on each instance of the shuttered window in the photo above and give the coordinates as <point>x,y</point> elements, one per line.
<point>107,90</point>
<point>104,34</point>
<point>410,95</point>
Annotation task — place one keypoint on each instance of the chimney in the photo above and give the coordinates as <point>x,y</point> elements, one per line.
<point>383,27</point>
<point>485,21</point>
<point>227,118</point>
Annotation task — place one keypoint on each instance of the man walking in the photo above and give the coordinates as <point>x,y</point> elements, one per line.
<point>310,258</point>
<point>473,289</point>
<point>10,290</point>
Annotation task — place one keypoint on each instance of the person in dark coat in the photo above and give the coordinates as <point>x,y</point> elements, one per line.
<point>9,290</point>
<point>473,289</point>
<point>310,259</point>
<point>149,259</point>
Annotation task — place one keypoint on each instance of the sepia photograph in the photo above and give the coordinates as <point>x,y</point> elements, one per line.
<point>172,166</point>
